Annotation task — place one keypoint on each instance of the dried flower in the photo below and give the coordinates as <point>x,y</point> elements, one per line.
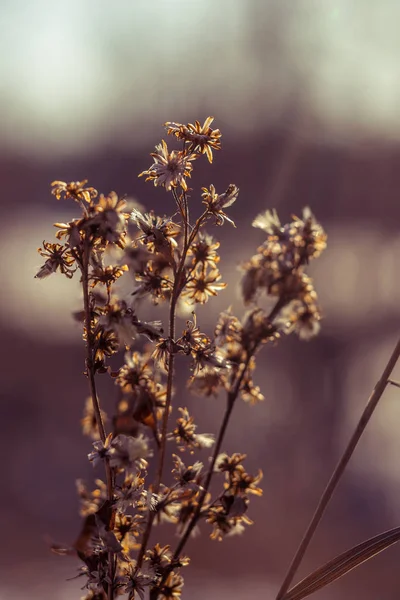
<point>158,233</point>
<point>158,557</point>
<point>169,168</point>
<point>201,138</point>
<point>202,285</point>
<point>185,435</point>
<point>136,372</point>
<point>153,282</point>
<point>74,189</point>
<point>216,202</point>
<point>172,588</point>
<point>106,275</point>
<point>58,258</point>
<point>243,483</point>
<point>268,222</point>
<point>101,451</point>
<point>131,491</point>
<point>135,582</point>
<point>204,251</point>
<point>129,453</point>
<point>106,223</point>
<point>187,476</point>
<point>223,524</point>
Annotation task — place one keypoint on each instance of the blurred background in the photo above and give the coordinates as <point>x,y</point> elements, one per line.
<point>306,94</point>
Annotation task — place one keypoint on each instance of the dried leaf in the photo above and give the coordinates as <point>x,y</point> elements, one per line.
<point>343,564</point>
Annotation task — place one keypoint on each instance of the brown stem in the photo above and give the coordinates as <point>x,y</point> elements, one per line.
<point>232,396</point>
<point>217,449</point>
<point>95,401</point>
<point>338,472</point>
<point>177,288</point>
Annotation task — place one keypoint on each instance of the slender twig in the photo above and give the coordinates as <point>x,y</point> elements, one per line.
<point>338,472</point>
<point>95,401</point>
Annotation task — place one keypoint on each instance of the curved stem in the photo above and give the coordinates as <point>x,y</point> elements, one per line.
<point>339,470</point>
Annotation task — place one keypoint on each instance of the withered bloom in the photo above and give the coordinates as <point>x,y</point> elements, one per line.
<point>249,392</point>
<point>129,453</point>
<point>228,328</point>
<point>206,383</point>
<point>158,558</point>
<point>73,189</point>
<point>58,258</point>
<point>203,251</point>
<point>169,168</point>
<point>154,283</point>
<point>192,336</point>
<point>172,588</point>
<point>106,275</point>
<point>216,202</point>
<point>158,233</point>
<point>202,285</point>
<point>185,435</point>
<point>223,524</point>
<point>107,221</point>
<point>135,583</point>
<point>187,477</point>
<point>136,372</point>
<point>106,344</point>
<point>201,138</point>
<point>242,483</point>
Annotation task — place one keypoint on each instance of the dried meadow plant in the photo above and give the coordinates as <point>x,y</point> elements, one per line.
<point>174,260</point>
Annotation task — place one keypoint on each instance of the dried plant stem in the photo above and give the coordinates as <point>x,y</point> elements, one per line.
<point>171,360</point>
<point>95,401</point>
<point>339,470</point>
<point>146,534</point>
<point>232,396</point>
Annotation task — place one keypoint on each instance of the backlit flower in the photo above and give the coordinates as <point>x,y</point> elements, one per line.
<point>58,258</point>
<point>202,285</point>
<point>73,189</point>
<point>201,138</point>
<point>170,168</point>
<point>216,202</point>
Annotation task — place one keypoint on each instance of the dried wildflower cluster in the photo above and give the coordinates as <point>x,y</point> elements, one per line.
<point>170,259</point>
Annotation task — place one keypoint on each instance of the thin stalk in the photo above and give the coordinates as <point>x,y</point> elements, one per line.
<point>232,396</point>
<point>93,392</point>
<point>171,333</point>
<point>339,470</point>
<point>171,362</point>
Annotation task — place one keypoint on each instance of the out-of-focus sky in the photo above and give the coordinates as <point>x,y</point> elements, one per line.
<point>73,72</point>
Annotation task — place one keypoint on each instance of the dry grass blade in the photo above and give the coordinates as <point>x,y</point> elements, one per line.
<point>343,564</point>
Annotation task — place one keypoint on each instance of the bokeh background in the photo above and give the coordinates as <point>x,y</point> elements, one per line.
<point>306,93</point>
